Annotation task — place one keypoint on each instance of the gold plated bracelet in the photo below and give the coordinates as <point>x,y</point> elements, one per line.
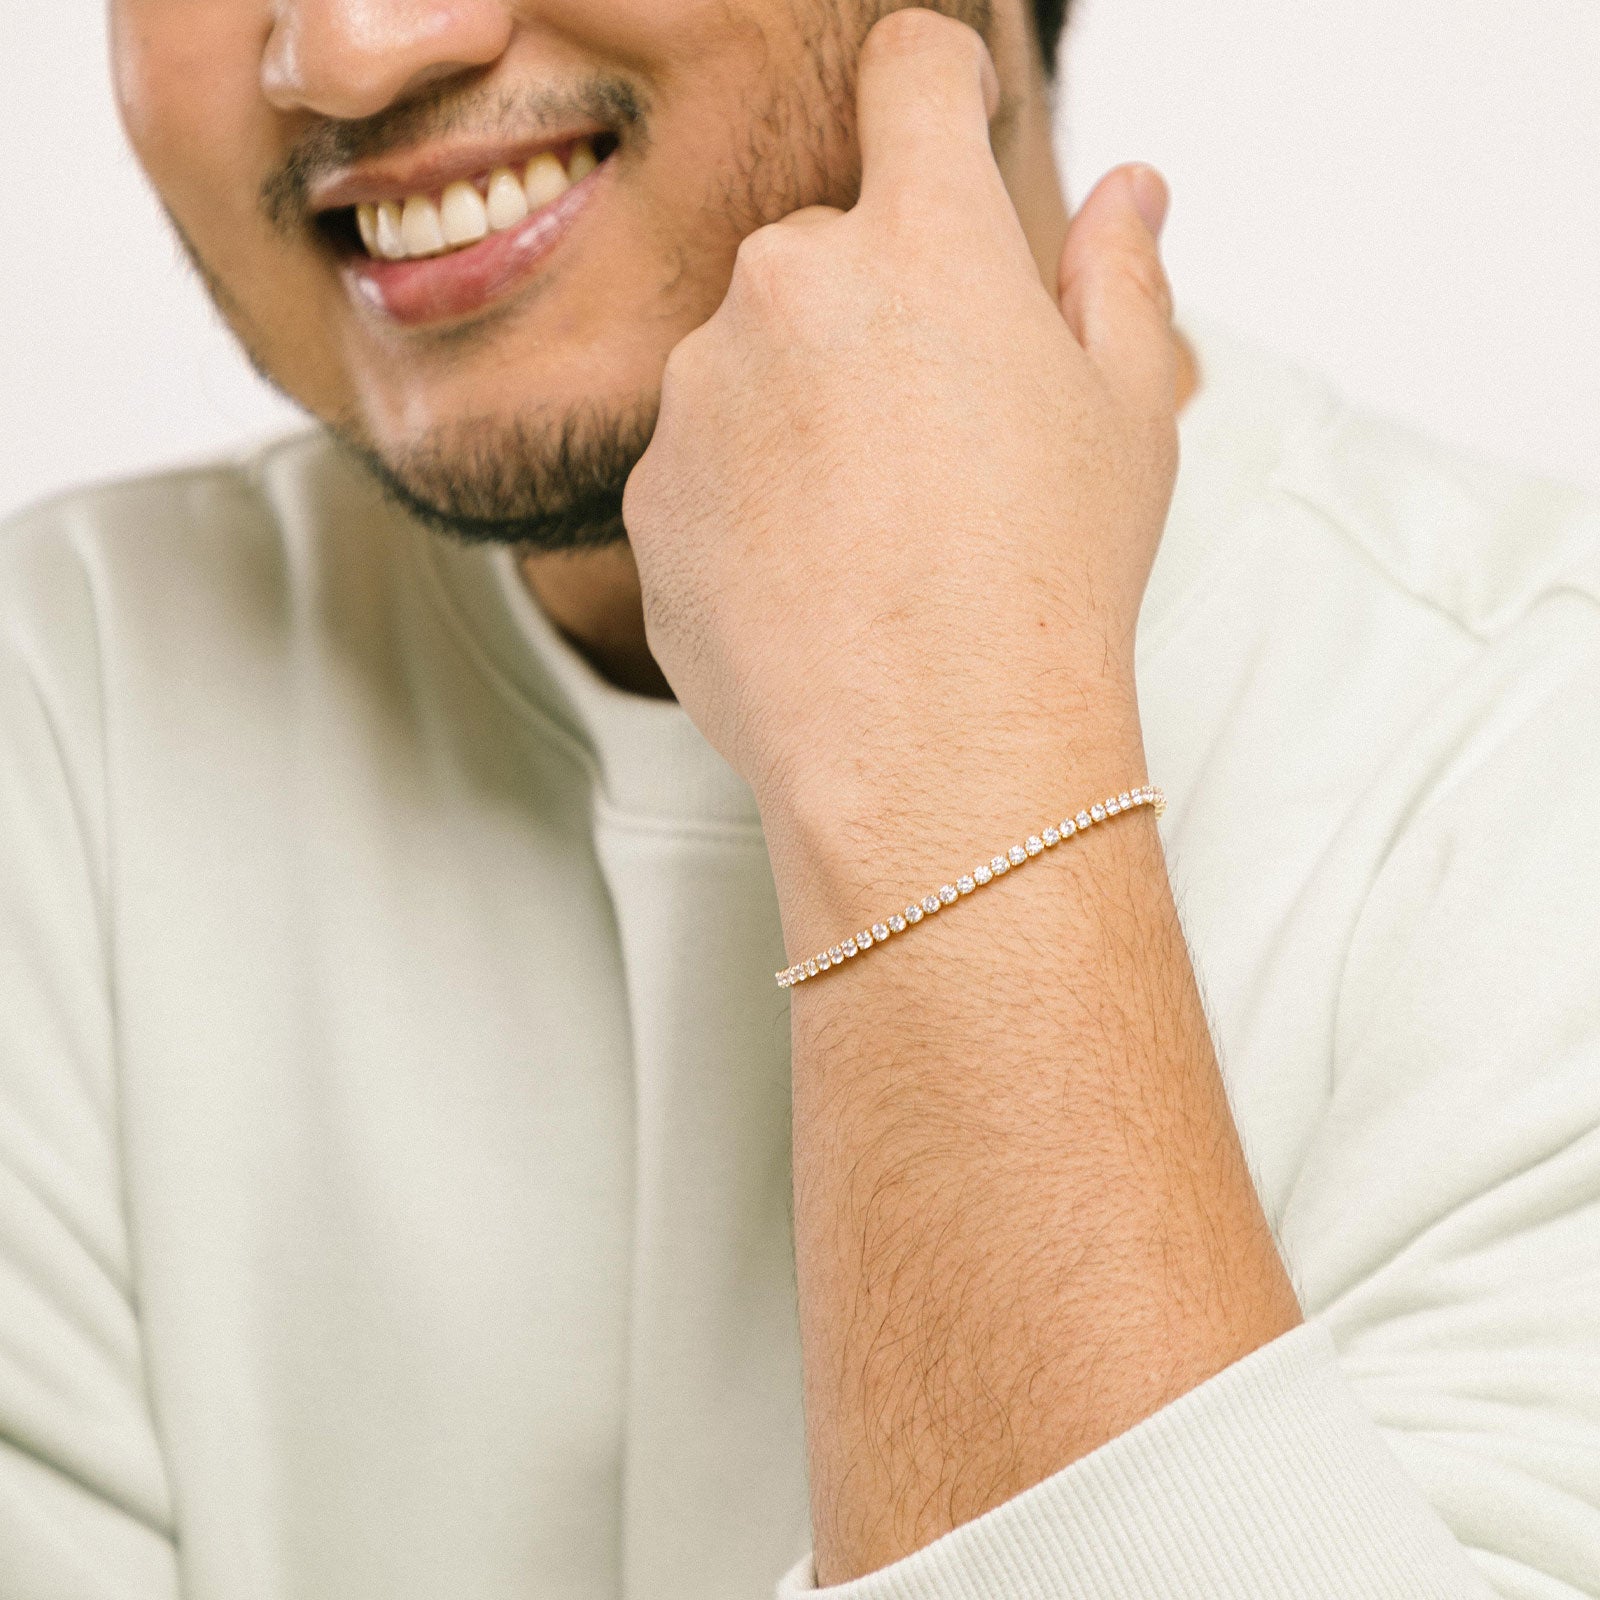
<point>985,872</point>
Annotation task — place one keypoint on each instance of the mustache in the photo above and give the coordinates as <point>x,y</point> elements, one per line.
<point>332,144</point>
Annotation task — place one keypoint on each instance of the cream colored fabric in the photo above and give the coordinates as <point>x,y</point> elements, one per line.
<point>393,1086</point>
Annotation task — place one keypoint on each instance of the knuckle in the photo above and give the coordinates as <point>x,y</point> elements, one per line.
<point>640,496</point>
<point>1143,269</point>
<point>760,251</point>
<point>766,266</point>
<point>913,30</point>
<point>683,363</point>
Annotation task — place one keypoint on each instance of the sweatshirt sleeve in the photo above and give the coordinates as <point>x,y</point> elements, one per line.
<point>84,1507</point>
<point>1432,1429</point>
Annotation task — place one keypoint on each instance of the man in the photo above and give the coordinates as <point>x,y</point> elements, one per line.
<point>400,1111</point>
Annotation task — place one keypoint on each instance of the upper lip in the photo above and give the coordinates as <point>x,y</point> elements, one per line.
<point>428,171</point>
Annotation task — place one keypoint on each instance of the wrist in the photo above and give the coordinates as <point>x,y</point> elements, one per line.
<point>849,852</point>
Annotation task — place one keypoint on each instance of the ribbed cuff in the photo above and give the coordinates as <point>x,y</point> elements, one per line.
<point>1266,1482</point>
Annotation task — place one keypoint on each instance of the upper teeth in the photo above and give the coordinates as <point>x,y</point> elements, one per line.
<point>425,225</point>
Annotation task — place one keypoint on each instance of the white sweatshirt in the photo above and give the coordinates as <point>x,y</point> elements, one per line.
<point>394,1147</point>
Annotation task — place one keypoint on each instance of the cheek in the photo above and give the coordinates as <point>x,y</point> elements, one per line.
<point>187,82</point>
<point>186,77</point>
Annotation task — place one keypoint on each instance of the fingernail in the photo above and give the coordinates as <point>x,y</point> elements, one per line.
<point>1150,197</point>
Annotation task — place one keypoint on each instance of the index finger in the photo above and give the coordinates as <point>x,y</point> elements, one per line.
<point>925,91</point>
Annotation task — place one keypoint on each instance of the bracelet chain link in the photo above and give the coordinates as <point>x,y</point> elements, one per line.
<point>985,872</point>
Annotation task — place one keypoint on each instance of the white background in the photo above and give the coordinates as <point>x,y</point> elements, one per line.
<point>1403,193</point>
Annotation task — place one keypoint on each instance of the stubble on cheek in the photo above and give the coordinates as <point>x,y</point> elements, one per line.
<point>798,145</point>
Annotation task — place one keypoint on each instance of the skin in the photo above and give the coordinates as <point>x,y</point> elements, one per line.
<point>1023,1219</point>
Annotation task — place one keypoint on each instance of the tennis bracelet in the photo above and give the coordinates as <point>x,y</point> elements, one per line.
<point>948,893</point>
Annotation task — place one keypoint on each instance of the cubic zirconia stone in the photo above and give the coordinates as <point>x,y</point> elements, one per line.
<point>1016,855</point>
<point>948,893</point>
<point>1113,806</point>
<point>811,969</point>
<point>864,939</point>
<point>1033,844</point>
<point>836,953</point>
<point>824,960</point>
<point>849,947</point>
<point>897,923</point>
<point>1124,801</point>
<point>1068,828</point>
<point>880,931</point>
<point>982,873</point>
<point>1098,813</point>
<point>999,864</point>
<point>1084,819</point>
<point>966,883</point>
<point>930,902</point>
<point>1051,836</point>
<point>913,912</point>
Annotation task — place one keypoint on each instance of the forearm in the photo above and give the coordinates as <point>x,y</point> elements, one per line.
<point>1023,1219</point>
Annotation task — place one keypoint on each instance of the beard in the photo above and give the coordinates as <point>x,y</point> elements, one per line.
<point>543,481</point>
<point>530,480</point>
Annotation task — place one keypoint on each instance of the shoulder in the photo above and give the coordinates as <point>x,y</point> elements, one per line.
<point>267,490</point>
<point>193,560</point>
<point>1479,540</point>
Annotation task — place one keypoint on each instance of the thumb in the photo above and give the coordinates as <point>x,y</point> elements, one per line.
<point>1113,289</point>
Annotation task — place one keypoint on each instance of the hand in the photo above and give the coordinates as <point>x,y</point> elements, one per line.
<point>900,500</point>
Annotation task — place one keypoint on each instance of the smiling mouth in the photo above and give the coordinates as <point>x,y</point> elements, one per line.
<point>464,212</point>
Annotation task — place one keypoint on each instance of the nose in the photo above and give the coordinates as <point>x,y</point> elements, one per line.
<point>351,58</point>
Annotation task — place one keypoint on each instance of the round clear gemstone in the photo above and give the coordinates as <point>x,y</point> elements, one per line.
<point>999,864</point>
<point>824,961</point>
<point>897,923</point>
<point>836,952</point>
<point>1033,844</point>
<point>930,902</point>
<point>966,883</point>
<point>849,947</point>
<point>982,874</point>
<point>1124,800</point>
<point>1016,855</point>
<point>1113,806</point>
<point>913,912</point>
<point>1068,828</point>
<point>948,892</point>
<point>1084,819</point>
<point>880,932</point>
<point>811,969</point>
<point>864,940</point>
<point>1051,836</point>
<point>1098,813</point>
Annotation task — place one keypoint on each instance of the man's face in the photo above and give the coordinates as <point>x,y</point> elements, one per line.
<point>504,385</point>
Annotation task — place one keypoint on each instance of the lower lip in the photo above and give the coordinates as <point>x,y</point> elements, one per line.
<point>437,288</point>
